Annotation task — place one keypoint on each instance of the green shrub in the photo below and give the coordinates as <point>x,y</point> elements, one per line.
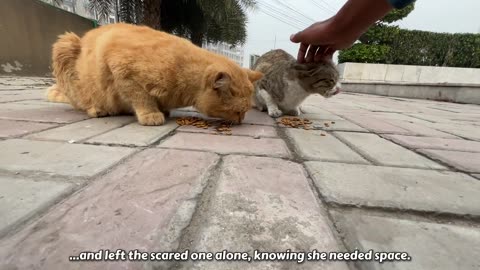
<point>363,53</point>
<point>387,44</point>
<point>413,47</point>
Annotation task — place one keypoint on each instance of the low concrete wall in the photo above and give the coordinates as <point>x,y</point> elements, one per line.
<point>28,28</point>
<point>435,83</point>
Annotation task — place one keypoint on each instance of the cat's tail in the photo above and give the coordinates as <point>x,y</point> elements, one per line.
<point>64,56</point>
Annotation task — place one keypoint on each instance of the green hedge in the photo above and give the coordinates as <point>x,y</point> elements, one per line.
<point>392,45</point>
<point>363,53</point>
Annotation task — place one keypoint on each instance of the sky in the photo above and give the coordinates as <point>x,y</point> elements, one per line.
<point>286,17</point>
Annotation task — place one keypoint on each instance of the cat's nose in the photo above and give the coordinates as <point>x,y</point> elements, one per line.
<point>336,90</point>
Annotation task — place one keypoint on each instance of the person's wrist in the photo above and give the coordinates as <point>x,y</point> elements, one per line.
<point>341,31</point>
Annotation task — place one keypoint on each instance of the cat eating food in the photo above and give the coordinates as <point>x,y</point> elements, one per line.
<point>125,69</point>
<point>286,83</point>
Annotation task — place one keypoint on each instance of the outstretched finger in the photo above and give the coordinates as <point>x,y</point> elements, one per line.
<point>311,53</point>
<point>302,51</point>
<point>324,54</point>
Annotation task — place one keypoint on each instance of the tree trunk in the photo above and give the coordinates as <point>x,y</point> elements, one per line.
<point>152,13</point>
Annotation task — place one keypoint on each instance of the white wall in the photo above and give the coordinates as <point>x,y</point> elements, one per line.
<point>402,74</point>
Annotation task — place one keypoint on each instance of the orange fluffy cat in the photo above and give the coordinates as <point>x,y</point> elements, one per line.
<point>124,69</point>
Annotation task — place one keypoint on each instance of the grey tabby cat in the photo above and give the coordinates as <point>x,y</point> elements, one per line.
<point>286,83</point>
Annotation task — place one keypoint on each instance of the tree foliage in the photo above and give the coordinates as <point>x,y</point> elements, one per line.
<point>198,20</point>
<point>207,20</point>
<point>102,8</point>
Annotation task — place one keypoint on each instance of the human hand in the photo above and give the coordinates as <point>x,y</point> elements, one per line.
<point>320,41</point>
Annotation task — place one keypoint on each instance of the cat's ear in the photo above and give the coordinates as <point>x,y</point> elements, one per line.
<point>222,81</point>
<point>253,76</point>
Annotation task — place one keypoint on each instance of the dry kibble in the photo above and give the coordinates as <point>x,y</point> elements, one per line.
<point>295,122</point>
<point>327,124</point>
<point>221,128</point>
<point>323,135</point>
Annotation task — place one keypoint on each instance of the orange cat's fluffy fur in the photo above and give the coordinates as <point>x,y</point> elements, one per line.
<point>122,69</point>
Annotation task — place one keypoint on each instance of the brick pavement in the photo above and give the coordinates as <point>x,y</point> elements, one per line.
<point>379,173</point>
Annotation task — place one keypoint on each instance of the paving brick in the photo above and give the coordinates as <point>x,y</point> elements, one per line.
<point>339,125</point>
<point>375,124</point>
<point>27,104</point>
<point>13,87</point>
<point>394,116</point>
<point>242,130</point>
<point>152,195</point>
<point>49,114</point>
<point>385,152</point>
<point>84,129</point>
<point>436,143</point>
<point>420,129</point>
<point>15,95</point>
<point>342,111</point>
<point>315,99</point>
<point>310,145</point>
<point>466,117</point>
<point>10,128</point>
<point>58,158</point>
<point>135,134</point>
<point>25,81</point>
<point>20,199</point>
<point>430,245</point>
<point>40,103</point>
<point>398,188</point>
<point>371,106</point>
<point>433,116</point>
<point>310,112</point>
<point>469,162</point>
<point>265,204</point>
<point>259,118</point>
<point>472,134</point>
<point>228,144</point>
<point>468,131</point>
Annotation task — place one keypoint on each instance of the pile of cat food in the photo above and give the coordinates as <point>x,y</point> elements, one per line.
<point>295,122</point>
<point>221,127</point>
<point>193,121</point>
<point>224,128</point>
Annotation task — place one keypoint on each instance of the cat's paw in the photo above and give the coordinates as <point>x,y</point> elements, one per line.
<point>93,112</point>
<point>294,112</point>
<point>151,119</point>
<point>275,112</point>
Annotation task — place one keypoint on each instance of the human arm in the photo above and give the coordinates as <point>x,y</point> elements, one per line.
<point>322,39</point>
